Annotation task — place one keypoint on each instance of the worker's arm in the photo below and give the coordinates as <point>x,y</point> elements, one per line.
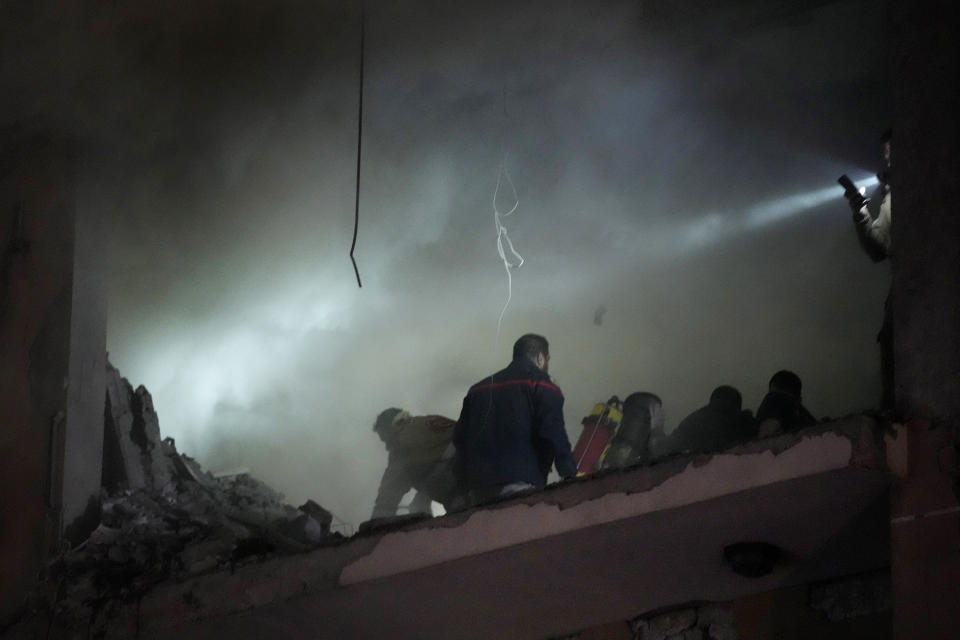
<point>874,234</point>
<point>393,486</point>
<point>548,421</point>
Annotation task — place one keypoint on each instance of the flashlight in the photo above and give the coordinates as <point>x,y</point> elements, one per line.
<point>850,191</point>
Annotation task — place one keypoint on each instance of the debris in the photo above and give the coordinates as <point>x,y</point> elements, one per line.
<point>133,455</point>
<point>711,621</point>
<point>162,516</point>
<point>848,598</point>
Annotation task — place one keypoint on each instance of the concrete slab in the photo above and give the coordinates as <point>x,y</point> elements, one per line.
<point>578,555</point>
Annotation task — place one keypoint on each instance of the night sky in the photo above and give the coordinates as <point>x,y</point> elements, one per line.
<point>674,161</point>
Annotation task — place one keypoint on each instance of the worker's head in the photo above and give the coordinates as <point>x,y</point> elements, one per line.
<point>727,399</point>
<point>786,382</point>
<point>535,348</point>
<point>386,420</point>
<point>644,406</point>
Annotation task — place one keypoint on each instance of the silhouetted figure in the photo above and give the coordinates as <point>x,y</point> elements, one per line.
<point>782,408</point>
<point>511,429</point>
<point>421,458</point>
<point>715,427</point>
<point>642,414</point>
<point>875,237</point>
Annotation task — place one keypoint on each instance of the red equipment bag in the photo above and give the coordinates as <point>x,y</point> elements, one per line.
<point>598,428</point>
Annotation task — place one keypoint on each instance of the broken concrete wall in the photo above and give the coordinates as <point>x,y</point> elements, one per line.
<point>52,346</point>
<point>161,518</point>
<point>186,529</point>
<point>134,455</point>
<point>925,85</point>
<point>83,436</point>
<point>925,58</point>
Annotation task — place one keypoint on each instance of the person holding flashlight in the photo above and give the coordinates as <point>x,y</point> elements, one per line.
<point>874,234</point>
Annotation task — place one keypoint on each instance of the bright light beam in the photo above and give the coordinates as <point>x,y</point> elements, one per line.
<point>775,210</point>
<point>715,226</point>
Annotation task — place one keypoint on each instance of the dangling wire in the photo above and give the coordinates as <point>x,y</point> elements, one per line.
<point>514,260</point>
<point>504,244</point>
<point>356,205</point>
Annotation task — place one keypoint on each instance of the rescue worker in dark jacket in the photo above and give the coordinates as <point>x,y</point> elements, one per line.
<point>715,427</point>
<point>510,430</point>
<point>782,408</point>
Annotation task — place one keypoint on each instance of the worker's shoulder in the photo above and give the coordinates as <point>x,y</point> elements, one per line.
<point>490,379</point>
<point>541,381</point>
<point>525,370</point>
<point>519,374</point>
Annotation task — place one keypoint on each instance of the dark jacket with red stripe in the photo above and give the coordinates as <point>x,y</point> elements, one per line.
<point>511,429</point>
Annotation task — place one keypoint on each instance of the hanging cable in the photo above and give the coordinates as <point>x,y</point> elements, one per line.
<point>356,201</point>
<point>514,260</point>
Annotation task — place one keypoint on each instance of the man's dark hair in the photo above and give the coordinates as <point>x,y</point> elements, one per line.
<point>530,345</point>
<point>727,398</point>
<point>385,419</point>
<point>787,381</point>
<point>641,399</point>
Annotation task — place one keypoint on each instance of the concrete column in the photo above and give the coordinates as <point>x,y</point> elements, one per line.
<point>87,369</point>
<point>925,61</point>
<point>925,532</point>
<point>52,357</point>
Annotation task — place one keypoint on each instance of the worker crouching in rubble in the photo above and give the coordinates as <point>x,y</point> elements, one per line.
<point>511,429</point>
<point>420,457</point>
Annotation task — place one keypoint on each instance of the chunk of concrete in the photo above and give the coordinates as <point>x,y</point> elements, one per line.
<point>853,597</point>
<point>666,625</point>
<point>134,455</point>
<point>714,613</point>
<point>721,631</point>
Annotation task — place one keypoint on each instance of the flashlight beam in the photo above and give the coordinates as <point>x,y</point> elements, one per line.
<point>715,226</point>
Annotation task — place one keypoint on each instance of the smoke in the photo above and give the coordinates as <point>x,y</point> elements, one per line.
<point>674,165</point>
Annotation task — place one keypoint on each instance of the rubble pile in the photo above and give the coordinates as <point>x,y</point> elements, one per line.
<point>713,621</point>
<point>862,595</point>
<point>164,517</point>
<point>710,621</point>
